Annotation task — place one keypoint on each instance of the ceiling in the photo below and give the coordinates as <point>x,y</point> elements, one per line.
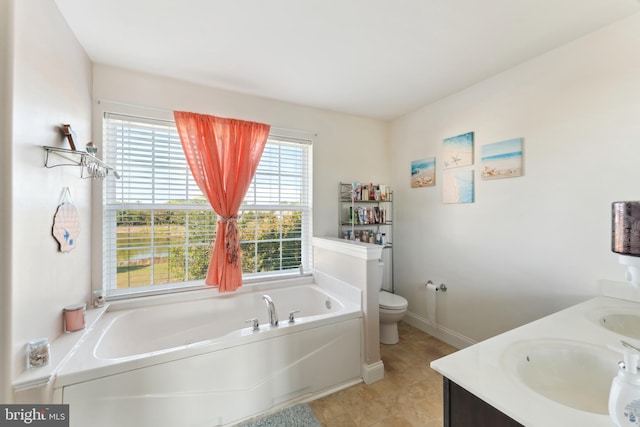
<point>373,58</point>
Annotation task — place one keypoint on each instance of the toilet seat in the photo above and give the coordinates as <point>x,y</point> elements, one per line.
<point>391,301</point>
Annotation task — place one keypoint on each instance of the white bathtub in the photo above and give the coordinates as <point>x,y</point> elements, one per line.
<point>197,363</point>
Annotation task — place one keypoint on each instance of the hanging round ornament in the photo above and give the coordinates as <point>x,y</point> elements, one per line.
<point>66,223</point>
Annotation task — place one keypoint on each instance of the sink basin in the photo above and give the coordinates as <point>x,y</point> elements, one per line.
<point>571,373</point>
<point>627,324</point>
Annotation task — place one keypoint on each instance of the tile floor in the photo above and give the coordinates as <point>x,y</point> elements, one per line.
<point>409,395</point>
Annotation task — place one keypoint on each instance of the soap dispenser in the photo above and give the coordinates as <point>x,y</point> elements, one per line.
<point>624,397</point>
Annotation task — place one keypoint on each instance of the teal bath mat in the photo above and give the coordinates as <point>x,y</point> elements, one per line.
<point>299,415</point>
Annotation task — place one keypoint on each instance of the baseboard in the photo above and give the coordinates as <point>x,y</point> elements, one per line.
<point>373,373</point>
<point>326,392</point>
<point>444,334</point>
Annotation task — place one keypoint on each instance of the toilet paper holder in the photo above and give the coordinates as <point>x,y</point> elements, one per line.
<point>442,286</point>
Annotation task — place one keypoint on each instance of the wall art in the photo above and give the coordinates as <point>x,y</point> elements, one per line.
<point>66,223</point>
<point>501,159</point>
<point>457,186</point>
<point>423,173</point>
<point>457,151</point>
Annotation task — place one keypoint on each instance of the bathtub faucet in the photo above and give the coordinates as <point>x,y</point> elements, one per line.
<point>271,310</point>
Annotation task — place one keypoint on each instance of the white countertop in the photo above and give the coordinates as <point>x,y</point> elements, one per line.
<point>61,348</point>
<point>482,370</point>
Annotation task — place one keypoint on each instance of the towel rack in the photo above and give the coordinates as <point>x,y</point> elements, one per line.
<point>91,166</point>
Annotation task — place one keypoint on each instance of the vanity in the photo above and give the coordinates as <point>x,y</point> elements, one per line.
<point>555,371</point>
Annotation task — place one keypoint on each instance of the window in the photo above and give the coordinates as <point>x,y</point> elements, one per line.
<point>158,228</point>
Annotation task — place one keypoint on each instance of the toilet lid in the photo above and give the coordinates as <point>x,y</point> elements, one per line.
<point>392,301</point>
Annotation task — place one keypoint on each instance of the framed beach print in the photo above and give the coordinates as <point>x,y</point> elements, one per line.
<point>458,186</point>
<point>423,173</point>
<point>457,151</point>
<point>501,159</point>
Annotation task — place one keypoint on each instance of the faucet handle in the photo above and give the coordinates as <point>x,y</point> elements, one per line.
<point>254,321</point>
<point>291,315</point>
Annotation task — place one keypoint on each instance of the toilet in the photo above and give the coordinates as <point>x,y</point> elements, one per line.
<point>392,309</point>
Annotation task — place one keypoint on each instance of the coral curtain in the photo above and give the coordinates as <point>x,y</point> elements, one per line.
<point>223,155</point>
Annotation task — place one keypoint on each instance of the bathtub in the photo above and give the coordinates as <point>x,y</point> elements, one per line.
<point>196,362</point>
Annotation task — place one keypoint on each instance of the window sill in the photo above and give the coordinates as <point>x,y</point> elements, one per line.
<point>248,281</point>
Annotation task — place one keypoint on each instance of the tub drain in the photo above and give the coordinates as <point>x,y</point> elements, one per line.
<point>327,304</point>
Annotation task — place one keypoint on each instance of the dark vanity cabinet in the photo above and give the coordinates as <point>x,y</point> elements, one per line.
<point>464,409</point>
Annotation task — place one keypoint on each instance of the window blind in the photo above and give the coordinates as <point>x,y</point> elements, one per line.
<point>158,228</point>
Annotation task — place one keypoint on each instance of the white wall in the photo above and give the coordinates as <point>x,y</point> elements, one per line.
<point>530,245</point>
<point>345,148</point>
<point>6,63</point>
<point>356,263</point>
<point>51,86</point>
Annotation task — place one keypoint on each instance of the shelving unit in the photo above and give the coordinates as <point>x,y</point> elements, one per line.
<point>91,166</point>
<point>369,220</point>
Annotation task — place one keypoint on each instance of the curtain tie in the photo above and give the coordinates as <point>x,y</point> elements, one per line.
<point>231,241</point>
